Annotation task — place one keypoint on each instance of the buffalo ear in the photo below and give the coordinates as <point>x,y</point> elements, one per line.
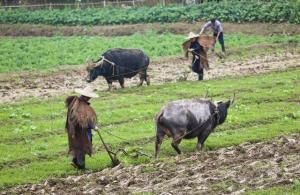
<point>89,66</point>
<point>227,103</point>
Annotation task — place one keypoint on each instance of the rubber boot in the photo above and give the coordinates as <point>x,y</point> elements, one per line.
<point>223,49</point>
<point>200,77</point>
<point>81,161</point>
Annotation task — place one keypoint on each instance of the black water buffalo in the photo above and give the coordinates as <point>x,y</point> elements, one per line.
<point>189,119</point>
<point>117,64</point>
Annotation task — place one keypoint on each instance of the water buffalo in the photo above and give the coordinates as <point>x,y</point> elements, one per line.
<point>117,64</point>
<point>189,119</point>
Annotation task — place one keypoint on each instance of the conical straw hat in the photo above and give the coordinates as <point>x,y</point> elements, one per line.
<point>192,35</point>
<point>86,92</point>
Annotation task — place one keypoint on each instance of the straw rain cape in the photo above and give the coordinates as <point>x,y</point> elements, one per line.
<point>80,117</point>
<point>206,42</point>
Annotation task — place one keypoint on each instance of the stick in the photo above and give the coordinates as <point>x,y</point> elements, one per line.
<point>113,159</point>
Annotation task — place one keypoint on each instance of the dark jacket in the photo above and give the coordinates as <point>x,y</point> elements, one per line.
<point>196,67</point>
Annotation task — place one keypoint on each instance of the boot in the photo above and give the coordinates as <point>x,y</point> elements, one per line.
<point>223,49</point>
<point>81,167</point>
<point>81,161</point>
<point>200,77</point>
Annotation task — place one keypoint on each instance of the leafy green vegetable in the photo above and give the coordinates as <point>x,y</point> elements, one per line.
<point>231,11</point>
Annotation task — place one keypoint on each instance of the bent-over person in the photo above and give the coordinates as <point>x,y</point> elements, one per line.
<point>81,119</point>
<point>218,31</point>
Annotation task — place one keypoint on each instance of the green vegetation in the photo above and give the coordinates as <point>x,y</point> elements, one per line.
<point>34,144</point>
<point>293,189</point>
<point>20,53</point>
<point>230,11</point>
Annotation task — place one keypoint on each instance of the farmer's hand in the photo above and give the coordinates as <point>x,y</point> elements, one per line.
<point>190,50</point>
<point>96,128</point>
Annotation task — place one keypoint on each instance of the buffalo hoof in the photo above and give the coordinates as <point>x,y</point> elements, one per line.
<point>199,147</point>
<point>148,80</point>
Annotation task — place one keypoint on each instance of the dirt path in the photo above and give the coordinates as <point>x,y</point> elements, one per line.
<point>20,85</point>
<point>128,29</point>
<point>227,170</point>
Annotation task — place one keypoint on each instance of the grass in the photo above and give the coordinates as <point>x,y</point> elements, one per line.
<point>34,144</point>
<point>44,53</point>
<point>293,189</point>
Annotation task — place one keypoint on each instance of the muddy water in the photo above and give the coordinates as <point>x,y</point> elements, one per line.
<point>17,86</point>
<point>231,170</point>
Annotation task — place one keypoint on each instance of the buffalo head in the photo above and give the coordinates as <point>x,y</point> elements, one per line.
<point>94,69</point>
<point>222,108</point>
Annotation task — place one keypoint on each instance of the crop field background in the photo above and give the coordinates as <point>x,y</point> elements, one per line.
<point>261,68</point>
<point>40,53</point>
<point>229,11</point>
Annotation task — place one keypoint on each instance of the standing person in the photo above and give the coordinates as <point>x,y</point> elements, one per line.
<point>195,48</point>
<point>81,119</point>
<point>218,31</point>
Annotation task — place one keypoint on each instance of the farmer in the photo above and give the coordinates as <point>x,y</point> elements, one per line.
<point>218,31</point>
<point>195,48</point>
<point>81,119</point>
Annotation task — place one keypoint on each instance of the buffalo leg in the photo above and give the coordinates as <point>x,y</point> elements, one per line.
<point>160,134</point>
<point>121,81</point>
<point>141,80</point>
<point>143,77</point>
<point>148,80</point>
<point>202,138</point>
<point>175,143</point>
<point>109,82</point>
<point>109,87</point>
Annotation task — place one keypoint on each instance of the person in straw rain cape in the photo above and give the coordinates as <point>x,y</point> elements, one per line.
<point>81,119</point>
<point>195,48</point>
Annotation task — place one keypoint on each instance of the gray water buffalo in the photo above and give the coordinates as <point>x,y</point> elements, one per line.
<point>189,119</point>
<point>117,64</point>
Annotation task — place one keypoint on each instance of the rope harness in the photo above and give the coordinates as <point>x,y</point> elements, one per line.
<point>111,63</point>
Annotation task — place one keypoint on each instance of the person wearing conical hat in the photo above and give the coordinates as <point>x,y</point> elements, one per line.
<point>195,48</point>
<point>81,119</point>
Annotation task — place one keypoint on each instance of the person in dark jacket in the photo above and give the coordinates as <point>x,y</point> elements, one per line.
<point>195,48</point>
<point>81,119</point>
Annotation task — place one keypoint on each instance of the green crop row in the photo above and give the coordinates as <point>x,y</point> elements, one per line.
<point>231,11</point>
<point>44,53</point>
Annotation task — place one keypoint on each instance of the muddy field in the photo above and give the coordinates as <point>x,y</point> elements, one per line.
<point>231,170</point>
<point>15,86</point>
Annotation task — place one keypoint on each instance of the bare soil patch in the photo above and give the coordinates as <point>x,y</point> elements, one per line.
<point>232,170</point>
<point>120,30</point>
<point>15,86</point>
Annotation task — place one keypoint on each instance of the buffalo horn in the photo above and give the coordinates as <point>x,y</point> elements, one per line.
<point>232,100</point>
<point>206,95</point>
